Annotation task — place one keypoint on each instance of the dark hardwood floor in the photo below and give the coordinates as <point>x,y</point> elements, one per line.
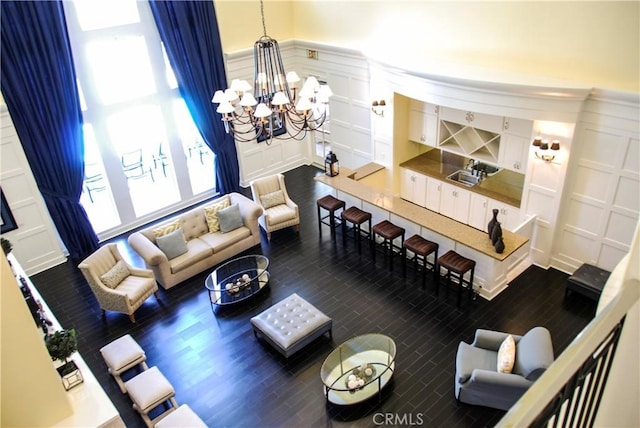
<point>231,379</point>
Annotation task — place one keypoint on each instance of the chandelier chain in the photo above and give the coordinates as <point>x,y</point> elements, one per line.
<point>264,26</point>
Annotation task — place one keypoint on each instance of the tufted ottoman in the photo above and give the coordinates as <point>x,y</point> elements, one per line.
<point>291,324</point>
<point>588,280</point>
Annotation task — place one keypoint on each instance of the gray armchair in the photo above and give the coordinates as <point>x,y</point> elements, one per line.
<point>477,379</point>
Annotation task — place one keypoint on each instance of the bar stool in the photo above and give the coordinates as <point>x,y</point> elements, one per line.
<point>356,217</point>
<point>331,204</point>
<point>388,232</point>
<point>457,265</point>
<point>421,249</point>
<point>121,355</point>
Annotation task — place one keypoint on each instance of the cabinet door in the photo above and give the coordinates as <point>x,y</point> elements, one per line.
<point>514,153</point>
<point>455,202</point>
<point>478,211</point>
<point>406,185</point>
<point>508,215</point>
<point>434,190</point>
<point>419,189</point>
<point>413,187</point>
<point>482,121</point>
<point>423,125</point>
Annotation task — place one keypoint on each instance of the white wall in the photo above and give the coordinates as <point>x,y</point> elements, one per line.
<point>31,389</point>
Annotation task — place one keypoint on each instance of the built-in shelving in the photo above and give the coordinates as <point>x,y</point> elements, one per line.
<point>469,141</point>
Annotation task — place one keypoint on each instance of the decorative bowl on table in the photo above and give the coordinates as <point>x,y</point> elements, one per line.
<point>359,377</point>
<point>238,285</point>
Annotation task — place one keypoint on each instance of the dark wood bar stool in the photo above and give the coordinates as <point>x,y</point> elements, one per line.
<point>457,266</point>
<point>332,205</point>
<point>356,217</point>
<point>421,249</point>
<point>388,232</point>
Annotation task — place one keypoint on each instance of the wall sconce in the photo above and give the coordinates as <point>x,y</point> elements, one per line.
<point>378,107</point>
<point>543,149</point>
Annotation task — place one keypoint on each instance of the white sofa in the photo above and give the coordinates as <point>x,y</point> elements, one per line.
<point>204,249</point>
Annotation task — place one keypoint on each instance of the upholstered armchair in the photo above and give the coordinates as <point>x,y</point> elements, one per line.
<point>117,285</point>
<point>279,210</point>
<point>477,378</point>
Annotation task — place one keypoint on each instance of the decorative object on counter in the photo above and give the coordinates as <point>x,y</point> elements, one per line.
<point>496,233</point>
<point>378,107</point>
<point>492,222</point>
<point>35,306</point>
<point>61,345</point>
<point>543,147</point>
<point>331,165</point>
<point>6,246</point>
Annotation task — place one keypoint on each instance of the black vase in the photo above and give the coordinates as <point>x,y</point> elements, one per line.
<point>496,233</point>
<point>492,222</point>
<point>499,246</point>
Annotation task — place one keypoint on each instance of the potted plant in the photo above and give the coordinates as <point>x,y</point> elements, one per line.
<point>61,345</point>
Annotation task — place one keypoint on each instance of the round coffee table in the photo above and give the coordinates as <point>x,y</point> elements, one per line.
<point>358,369</point>
<point>237,280</point>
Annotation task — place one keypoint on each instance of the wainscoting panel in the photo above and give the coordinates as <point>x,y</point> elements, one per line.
<point>602,203</point>
<point>35,241</point>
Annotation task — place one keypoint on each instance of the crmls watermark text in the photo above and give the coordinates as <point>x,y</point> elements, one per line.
<point>398,419</point>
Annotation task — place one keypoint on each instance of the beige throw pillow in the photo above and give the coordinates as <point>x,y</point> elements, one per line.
<point>507,355</point>
<point>210,213</point>
<point>272,199</point>
<point>166,229</point>
<point>115,275</point>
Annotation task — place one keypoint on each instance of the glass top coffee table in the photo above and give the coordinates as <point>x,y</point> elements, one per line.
<point>237,280</point>
<point>358,369</point>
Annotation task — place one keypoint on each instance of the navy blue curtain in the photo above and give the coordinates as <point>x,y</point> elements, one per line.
<point>189,30</point>
<point>39,87</point>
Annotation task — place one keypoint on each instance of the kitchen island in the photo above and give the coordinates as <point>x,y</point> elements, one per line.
<point>493,270</point>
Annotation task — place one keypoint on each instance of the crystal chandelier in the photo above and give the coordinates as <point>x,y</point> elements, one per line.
<point>276,108</point>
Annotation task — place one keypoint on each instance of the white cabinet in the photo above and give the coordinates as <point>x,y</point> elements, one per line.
<point>423,123</point>
<point>455,202</point>
<point>514,144</point>
<point>508,215</point>
<point>434,190</point>
<point>478,211</point>
<point>486,122</point>
<point>413,187</point>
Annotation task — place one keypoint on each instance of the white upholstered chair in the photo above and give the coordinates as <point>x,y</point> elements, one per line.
<point>279,210</point>
<point>118,287</point>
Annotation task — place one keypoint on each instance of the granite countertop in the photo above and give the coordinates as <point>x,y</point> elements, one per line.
<point>505,186</point>
<point>459,232</point>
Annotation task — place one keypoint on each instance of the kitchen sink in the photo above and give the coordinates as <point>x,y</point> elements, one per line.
<point>464,177</point>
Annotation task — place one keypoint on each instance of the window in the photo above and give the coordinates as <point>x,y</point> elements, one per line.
<point>144,156</point>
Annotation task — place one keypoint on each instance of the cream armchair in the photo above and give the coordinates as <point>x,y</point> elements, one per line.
<point>118,287</point>
<point>279,210</point>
